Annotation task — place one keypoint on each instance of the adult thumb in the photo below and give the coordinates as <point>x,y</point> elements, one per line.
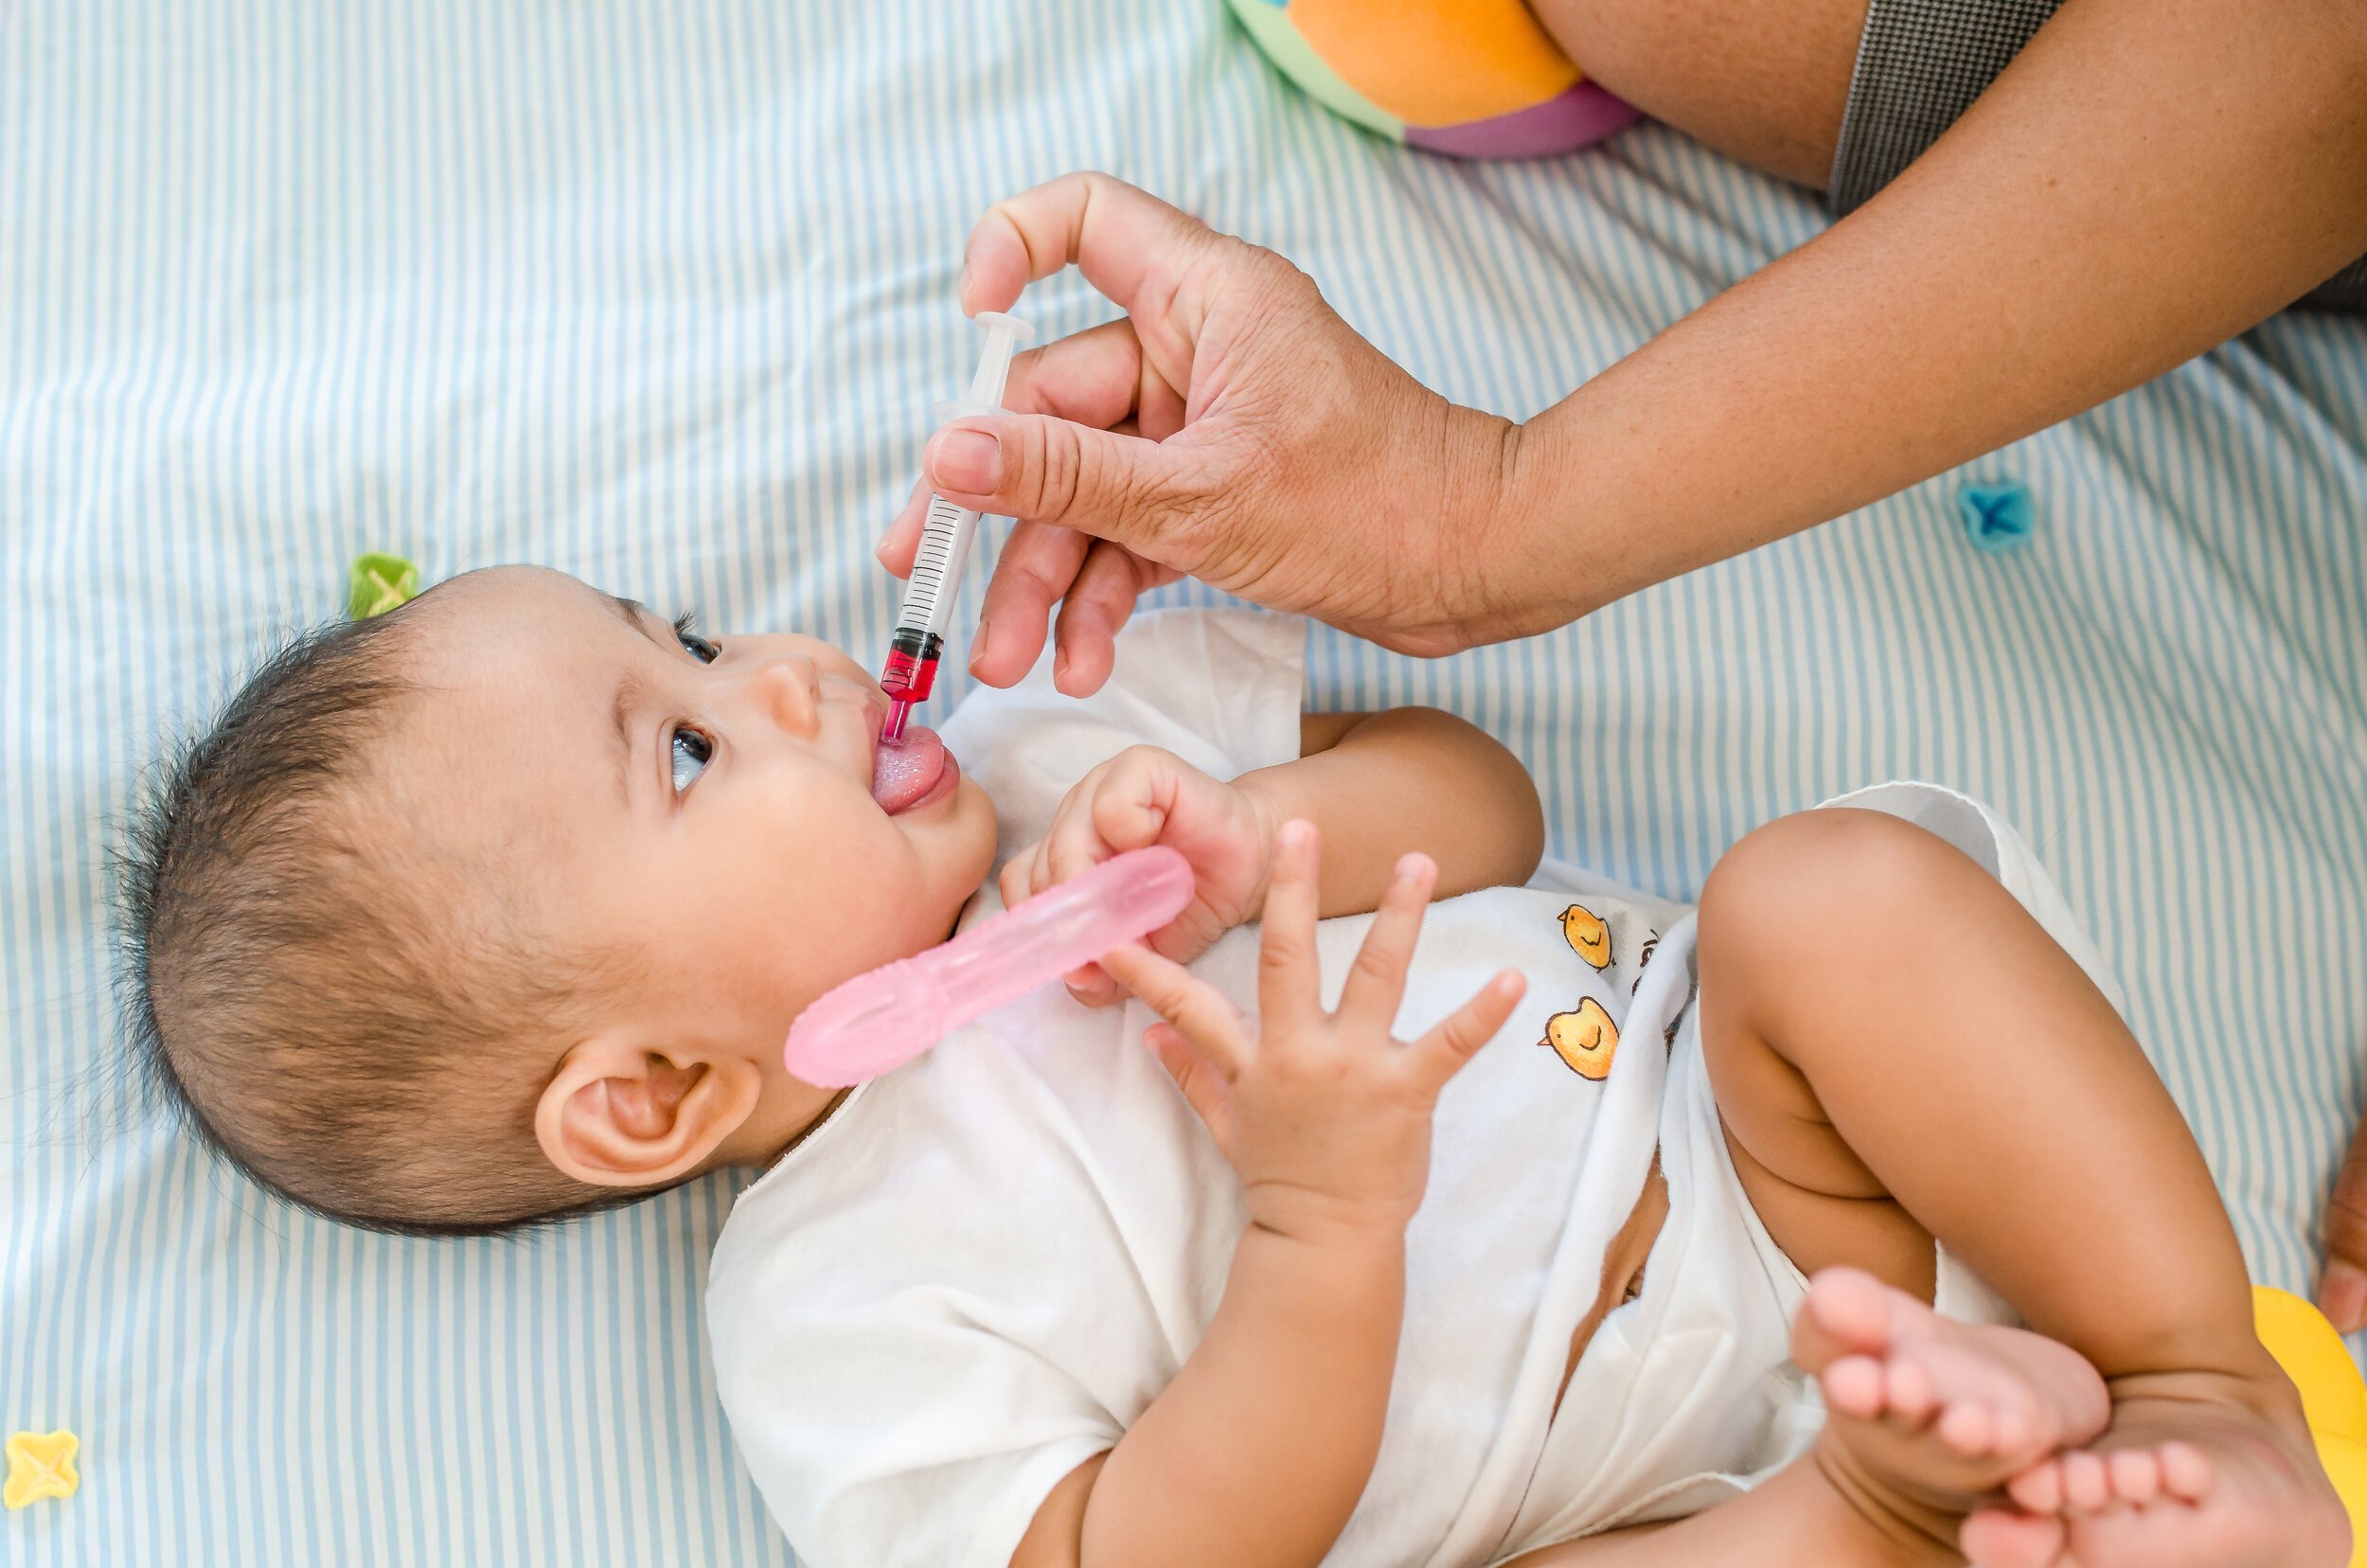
<point>1041,469</point>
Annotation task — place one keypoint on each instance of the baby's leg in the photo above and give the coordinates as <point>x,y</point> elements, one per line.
<point>1927,1418</point>
<point>1900,1053</point>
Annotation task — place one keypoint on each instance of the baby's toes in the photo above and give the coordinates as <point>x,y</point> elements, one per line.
<point>1848,1313</point>
<point>1908,1392</point>
<point>1995,1538</point>
<point>2039,1488</point>
<point>2087,1484</point>
<point>2187,1473</point>
<point>2135,1474</point>
<point>1854,1385</point>
<point>1972,1428</point>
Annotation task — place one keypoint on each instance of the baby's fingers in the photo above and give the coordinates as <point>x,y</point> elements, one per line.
<point>1019,877</point>
<point>1288,994</point>
<point>1203,1086</point>
<point>1441,1053</point>
<point>1073,847</point>
<point>1199,1011</point>
<point>1092,986</point>
<point>1375,983</point>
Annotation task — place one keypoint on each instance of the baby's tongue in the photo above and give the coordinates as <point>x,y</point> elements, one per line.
<point>903,771</point>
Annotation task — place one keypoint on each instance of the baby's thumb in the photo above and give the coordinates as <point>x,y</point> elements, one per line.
<point>1040,469</point>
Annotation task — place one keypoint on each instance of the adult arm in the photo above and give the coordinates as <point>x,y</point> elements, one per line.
<point>2146,179</point>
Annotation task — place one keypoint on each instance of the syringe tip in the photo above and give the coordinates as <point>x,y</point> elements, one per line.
<point>894,728</point>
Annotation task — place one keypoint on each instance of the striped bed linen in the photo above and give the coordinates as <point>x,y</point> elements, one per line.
<point>660,294</point>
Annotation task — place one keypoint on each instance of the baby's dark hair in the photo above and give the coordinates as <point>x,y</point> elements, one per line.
<point>310,986</point>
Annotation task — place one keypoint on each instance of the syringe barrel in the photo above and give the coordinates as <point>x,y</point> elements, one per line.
<point>946,536</point>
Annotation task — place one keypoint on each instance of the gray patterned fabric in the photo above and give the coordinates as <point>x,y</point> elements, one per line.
<point>1920,65</point>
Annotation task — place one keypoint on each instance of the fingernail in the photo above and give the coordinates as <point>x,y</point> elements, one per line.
<point>978,641</point>
<point>1059,667</point>
<point>967,461</point>
<point>2343,1296</point>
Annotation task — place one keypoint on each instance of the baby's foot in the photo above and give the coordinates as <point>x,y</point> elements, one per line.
<point>2173,1482</point>
<point>1926,1415</point>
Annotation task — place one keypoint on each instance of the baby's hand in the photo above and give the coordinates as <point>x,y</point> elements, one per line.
<point>1326,1116</point>
<point>1142,796</point>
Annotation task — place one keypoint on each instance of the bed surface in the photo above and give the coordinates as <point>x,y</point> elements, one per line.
<point>660,294</point>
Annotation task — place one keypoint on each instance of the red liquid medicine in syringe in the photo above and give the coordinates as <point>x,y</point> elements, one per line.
<point>919,643</point>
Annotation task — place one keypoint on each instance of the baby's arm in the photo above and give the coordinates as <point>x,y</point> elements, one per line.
<point>1376,785</point>
<point>1380,784</point>
<point>1254,1454</point>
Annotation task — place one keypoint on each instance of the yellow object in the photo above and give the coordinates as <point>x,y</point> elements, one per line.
<point>1584,1038</point>
<point>1391,52</point>
<point>2333,1397</point>
<point>1588,937</point>
<point>41,1464</point>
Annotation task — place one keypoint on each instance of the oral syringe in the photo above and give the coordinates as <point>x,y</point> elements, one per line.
<point>945,542</point>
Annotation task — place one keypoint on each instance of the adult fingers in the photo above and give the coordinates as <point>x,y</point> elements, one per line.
<point>1195,1008</point>
<point>901,540</point>
<point>1095,377</point>
<point>1100,603</point>
<point>1041,469</point>
<point>1037,565</point>
<point>1376,982</point>
<point>1125,240</point>
<point>1442,1051</point>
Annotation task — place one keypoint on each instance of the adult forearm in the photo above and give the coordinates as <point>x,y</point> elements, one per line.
<point>2147,179</point>
<point>1256,1452</point>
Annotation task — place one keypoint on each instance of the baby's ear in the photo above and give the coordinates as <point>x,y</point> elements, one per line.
<point>618,1114</point>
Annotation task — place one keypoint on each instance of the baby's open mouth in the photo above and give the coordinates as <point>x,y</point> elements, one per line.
<point>914,771</point>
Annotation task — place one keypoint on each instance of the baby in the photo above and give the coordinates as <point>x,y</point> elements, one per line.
<point>499,907</point>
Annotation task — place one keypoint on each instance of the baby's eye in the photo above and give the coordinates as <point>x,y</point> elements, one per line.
<point>704,649</point>
<point>693,751</point>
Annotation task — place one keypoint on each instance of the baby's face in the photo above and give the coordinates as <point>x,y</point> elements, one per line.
<point>705,806</point>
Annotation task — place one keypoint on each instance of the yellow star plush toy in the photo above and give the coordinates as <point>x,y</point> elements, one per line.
<point>41,1464</point>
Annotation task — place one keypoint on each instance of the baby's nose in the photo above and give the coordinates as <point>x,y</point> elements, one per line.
<point>791,688</point>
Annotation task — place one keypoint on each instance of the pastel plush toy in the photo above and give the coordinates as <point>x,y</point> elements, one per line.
<point>2333,1397</point>
<point>1472,79</point>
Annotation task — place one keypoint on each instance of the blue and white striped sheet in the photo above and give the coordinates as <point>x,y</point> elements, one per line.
<point>661,294</point>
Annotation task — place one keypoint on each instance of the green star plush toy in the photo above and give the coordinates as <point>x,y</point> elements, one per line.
<point>378,583</point>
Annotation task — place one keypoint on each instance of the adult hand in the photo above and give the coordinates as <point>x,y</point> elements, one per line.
<point>1231,427</point>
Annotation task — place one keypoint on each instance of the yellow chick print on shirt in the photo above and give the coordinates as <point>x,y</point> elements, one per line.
<point>1584,1038</point>
<point>1588,934</point>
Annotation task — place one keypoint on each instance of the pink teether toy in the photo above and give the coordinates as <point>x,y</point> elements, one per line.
<point>889,1016</point>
